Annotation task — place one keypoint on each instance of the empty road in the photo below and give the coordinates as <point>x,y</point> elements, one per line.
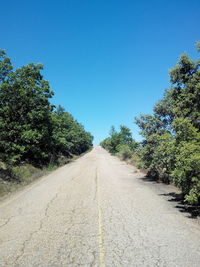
<point>96,211</point>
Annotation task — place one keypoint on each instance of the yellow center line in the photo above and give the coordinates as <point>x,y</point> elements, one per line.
<point>100,222</point>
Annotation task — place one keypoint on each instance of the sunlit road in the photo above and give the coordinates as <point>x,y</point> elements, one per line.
<point>96,211</point>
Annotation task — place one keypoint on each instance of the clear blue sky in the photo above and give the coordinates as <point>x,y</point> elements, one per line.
<point>106,60</point>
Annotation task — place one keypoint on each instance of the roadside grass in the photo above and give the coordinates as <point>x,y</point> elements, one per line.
<point>13,178</point>
<point>20,176</point>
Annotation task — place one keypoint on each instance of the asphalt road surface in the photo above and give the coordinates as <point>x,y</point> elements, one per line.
<point>96,211</point>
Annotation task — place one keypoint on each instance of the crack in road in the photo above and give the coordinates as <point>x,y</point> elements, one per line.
<point>6,221</point>
<point>25,243</point>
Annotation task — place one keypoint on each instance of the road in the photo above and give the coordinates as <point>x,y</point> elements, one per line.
<point>96,211</point>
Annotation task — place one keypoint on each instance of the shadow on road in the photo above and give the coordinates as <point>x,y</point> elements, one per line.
<point>182,206</point>
<point>149,179</point>
<point>176,198</point>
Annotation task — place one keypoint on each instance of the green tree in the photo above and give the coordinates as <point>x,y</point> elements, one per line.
<point>121,141</point>
<point>69,136</point>
<point>25,110</point>
<point>152,128</point>
<point>5,66</point>
<point>171,135</point>
<point>186,173</point>
<point>31,130</point>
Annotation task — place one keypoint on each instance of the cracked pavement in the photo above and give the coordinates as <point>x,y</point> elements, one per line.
<point>95,211</point>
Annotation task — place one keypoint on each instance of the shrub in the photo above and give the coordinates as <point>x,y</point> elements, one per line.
<point>124,151</point>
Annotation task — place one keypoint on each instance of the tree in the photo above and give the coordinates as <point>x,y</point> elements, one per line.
<point>186,172</point>
<point>31,130</point>
<point>5,66</point>
<point>25,115</point>
<point>120,142</point>
<point>69,136</point>
<point>172,134</point>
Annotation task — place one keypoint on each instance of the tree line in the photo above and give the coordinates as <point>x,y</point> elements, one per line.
<point>33,130</point>
<point>170,150</point>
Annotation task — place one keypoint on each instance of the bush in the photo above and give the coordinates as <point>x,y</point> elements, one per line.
<point>23,173</point>
<point>186,174</point>
<point>124,151</point>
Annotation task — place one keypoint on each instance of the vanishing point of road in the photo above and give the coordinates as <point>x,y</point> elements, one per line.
<point>96,211</point>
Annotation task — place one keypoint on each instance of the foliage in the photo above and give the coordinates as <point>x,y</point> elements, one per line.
<point>120,142</point>
<point>124,151</point>
<point>31,129</point>
<point>186,173</point>
<point>25,115</point>
<point>171,146</point>
<point>69,136</point>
